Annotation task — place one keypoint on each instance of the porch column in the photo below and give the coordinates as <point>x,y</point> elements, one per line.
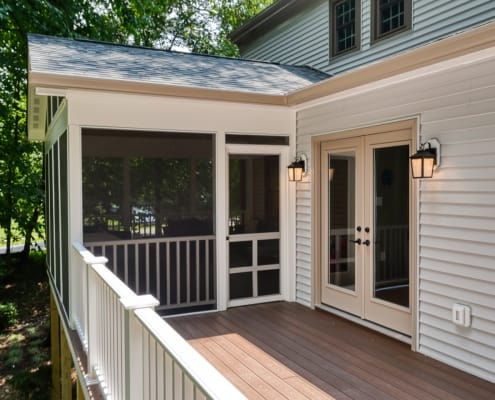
<point>221,212</point>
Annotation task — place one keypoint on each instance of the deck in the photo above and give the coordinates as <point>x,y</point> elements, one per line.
<point>286,351</point>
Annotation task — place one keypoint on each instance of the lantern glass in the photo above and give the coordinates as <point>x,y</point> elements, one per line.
<point>428,164</point>
<point>296,171</point>
<point>422,164</point>
<point>417,167</point>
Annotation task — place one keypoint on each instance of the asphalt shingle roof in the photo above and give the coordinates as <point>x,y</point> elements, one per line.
<point>90,59</point>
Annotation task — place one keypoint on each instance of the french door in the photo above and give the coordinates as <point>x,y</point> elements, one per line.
<point>256,227</point>
<point>366,227</point>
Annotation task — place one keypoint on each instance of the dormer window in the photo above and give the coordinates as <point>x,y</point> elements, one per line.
<point>345,22</point>
<point>390,17</point>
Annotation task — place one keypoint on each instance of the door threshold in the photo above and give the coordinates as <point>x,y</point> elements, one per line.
<point>367,324</point>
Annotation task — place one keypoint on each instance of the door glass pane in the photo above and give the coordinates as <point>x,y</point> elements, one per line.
<point>391,230</point>
<point>253,193</point>
<point>341,199</point>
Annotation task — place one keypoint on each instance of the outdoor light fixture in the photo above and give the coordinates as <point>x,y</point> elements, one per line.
<point>426,159</point>
<point>297,168</point>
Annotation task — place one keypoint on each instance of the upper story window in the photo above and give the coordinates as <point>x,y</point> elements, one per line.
<point>390,16</point>
<point>345,23</point>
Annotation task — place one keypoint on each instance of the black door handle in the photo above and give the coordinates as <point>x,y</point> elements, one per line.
<point>357,241</point>
<point>366,242</point>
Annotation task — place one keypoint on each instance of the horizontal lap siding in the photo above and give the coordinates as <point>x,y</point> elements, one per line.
<point>304,39</point>
<point>303,243</point>
<point>456,208</point>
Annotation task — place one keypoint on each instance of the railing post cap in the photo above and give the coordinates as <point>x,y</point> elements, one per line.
<point>96,260</point>
<point>143,301</point>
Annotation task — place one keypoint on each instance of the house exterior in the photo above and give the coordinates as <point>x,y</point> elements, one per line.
<point>170,169</point>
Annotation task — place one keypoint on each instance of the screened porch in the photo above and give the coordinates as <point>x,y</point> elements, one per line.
<point>149,207</point>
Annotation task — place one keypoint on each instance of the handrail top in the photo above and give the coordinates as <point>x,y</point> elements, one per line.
<point>135,302</point>
<point>165,239</point>
<point>87,256</point>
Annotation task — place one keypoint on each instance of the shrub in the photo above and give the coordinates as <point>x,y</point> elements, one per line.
<point>8,315</point>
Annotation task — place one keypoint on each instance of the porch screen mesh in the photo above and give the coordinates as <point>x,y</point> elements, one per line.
<point>146,184</point>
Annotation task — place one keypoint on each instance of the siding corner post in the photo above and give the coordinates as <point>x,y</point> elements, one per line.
<point>133,342</point>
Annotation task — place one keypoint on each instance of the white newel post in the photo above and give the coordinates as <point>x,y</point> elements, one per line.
<point>134,376</point>
<point>90,313</point>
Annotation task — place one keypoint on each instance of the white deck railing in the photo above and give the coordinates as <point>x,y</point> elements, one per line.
<point>178,271</point>
<point>131,350</point>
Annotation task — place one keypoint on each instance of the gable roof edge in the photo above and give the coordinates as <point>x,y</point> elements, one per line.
<point>54,81</point>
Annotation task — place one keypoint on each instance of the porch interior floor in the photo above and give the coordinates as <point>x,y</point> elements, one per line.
<point>287,351</point>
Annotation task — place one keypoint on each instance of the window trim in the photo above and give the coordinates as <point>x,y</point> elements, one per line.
<point>333,32</point>
<point>375,23</point>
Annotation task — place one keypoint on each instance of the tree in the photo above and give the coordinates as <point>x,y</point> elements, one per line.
<point>200,26</point>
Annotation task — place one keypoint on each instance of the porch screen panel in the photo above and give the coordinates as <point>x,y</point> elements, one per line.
<point>148,204</point>
<point>64,219</point>
<point>48,210</point>
<point>56,215</point>
<point>254,225</point>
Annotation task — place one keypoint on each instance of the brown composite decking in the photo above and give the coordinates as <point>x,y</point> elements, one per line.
<point>287,351</point>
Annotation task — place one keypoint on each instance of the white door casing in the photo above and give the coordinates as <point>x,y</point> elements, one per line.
<point>361,239</point>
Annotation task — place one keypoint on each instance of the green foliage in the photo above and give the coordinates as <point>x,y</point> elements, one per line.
<point>8,315</point>
<point>33,383</point>
<point>24,347</point>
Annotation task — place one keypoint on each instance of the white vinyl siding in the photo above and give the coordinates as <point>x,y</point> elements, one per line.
<point>304,39</point>
<point>301,40</point>
<point>456,257</point>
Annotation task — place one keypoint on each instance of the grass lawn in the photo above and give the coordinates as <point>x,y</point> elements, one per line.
<point>18,238</point>
<point>25,371</point>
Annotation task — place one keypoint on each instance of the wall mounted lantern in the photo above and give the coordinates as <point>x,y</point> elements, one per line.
<point>426,159</point>
<point>297,168</point>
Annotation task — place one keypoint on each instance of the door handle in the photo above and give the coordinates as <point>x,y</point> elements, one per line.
<point>366,242</point>
<point>357,241</point>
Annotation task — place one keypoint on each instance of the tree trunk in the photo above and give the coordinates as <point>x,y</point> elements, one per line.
<point>29,233</point>
<point>9,238</point>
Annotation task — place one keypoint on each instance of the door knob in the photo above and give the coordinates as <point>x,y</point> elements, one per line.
<point>366,242</point>
<point>357,241</point>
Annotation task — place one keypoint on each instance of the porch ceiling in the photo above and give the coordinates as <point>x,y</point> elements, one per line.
<point>286,351</point>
